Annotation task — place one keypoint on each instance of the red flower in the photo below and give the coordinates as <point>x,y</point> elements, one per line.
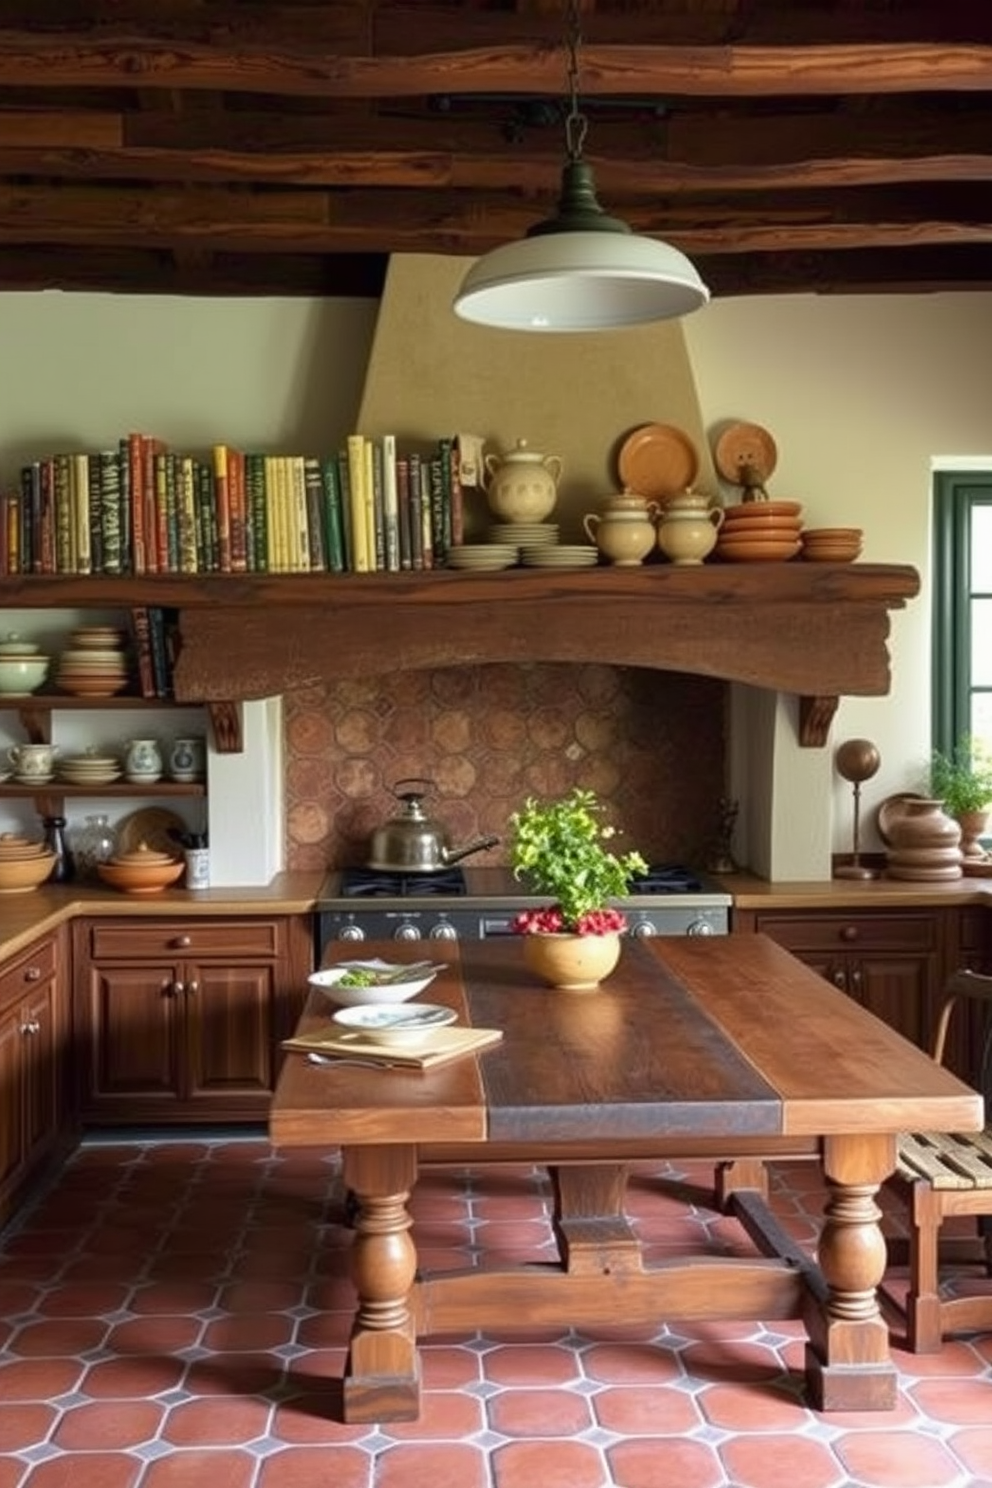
<point>551,921</point>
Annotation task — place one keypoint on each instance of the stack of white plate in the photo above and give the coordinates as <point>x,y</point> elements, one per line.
<point>95,665</point>
<point>483,555</point>
<point>560,555</point>
<point>524,534</point>
<point>89,769</point>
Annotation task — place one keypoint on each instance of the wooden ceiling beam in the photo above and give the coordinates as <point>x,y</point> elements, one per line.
<point>78,59</point>
<point>422,221</point>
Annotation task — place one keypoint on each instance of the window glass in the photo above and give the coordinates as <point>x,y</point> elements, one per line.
<point>981,643</point>
<point>981,548</point>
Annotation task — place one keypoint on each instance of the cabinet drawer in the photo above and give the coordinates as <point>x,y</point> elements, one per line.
<point>153,940</point>
<point>850,932</point>
<point>28,969</point>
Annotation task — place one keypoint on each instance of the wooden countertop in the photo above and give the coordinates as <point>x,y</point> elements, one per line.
<point>754,893</point>
<point>23,917</point>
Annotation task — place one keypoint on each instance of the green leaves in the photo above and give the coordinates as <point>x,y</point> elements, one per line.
<point>557,846</point>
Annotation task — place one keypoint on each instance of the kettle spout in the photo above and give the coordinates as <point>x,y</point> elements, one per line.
<point>455,854</point>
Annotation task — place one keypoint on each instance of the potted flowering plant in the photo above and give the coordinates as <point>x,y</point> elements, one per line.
<point>558,848</point>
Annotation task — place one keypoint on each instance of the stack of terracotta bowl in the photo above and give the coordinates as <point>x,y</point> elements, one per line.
<point>24,865</point>
<point>832,544</point>
<point>95,663</point>
<point>760,532</point>
<point>144,871</point>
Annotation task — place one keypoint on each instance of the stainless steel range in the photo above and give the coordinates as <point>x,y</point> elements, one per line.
<point>476,903</point>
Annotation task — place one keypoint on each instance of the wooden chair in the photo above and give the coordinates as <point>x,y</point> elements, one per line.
<point>944,1175</point>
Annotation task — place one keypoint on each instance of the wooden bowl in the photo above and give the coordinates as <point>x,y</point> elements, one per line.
<point>21,875</point>
<point>134,877</point>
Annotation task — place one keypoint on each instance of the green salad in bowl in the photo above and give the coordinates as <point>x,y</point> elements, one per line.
<point>356,983</point>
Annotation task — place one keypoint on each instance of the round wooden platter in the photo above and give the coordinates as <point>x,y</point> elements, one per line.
<point>743,452</point>
<point>657,461</point>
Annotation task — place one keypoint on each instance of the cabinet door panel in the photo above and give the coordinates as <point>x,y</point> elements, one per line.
<point>42,1074</point>
<point>133,1032</point>
<point>230,1019</point>
<point>896,989</point>
<point>11,1104</point>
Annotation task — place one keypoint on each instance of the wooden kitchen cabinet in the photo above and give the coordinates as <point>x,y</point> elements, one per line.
<point>35,1130</point>
<point>890,961</point>
<point>181,1020</point>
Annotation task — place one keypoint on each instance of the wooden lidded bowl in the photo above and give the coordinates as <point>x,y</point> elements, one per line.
<point>143,871</point>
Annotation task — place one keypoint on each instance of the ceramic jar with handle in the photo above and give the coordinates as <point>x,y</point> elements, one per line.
<point>522,486</point>
<point>33,763</point>
<point>687,533</point>
<point>623,534</point>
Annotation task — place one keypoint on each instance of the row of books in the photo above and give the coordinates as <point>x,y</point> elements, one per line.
<point>155,641</point>
<point>145,509</point>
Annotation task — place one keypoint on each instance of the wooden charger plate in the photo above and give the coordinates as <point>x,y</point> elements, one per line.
<point>745,447</point>
<point>149,827</point>
<point>657,461</point>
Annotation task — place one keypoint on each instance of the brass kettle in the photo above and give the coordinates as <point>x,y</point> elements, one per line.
<point>411,842</point>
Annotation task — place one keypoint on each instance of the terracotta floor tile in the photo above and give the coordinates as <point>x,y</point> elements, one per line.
<point>65,1337</point>
<point>437,1465</point>
<point>102,1470</point>
<point>80,1299</point>
<point>194,1469</point>
<point>24,1425</point>
<point>266,1330</point>
<point>173,1297</point>
<point>105,1425</point>
<point>974,1449</point>
<point>646,1411</point>
<point>958,1402</point>
<point>304,1467</point>
<point>222,1423</point>
<point>890,1459</point>
<point>552,1464</point>
<point>128,1379</point>
<point>445,1415</point>
<point>662,1463</point>
<point>154,1335</point>
<point>536,1413</point>
<point>768,1461</point>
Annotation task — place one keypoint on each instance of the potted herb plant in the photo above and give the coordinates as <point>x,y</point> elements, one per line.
<point>962,779</point>
<point>559,848</point>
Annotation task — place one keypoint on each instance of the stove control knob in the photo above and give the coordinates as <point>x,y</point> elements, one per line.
<point>351,932</point>
<point>406,931</point>
<point>700,927</point>
<point>444,930</point>
<point>642,930</point>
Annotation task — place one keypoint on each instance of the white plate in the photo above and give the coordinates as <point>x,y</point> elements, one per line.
<point>328,981</point>
<point>395,1023</point>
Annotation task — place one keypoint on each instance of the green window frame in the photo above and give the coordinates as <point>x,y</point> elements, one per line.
<point>961,648</point>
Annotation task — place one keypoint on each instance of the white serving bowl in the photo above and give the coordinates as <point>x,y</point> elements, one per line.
<point>394,1023</point>
<point>329,982</point>
<point>21,674</point>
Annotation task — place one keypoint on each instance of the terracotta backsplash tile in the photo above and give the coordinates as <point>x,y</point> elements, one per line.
<point>652,744</point>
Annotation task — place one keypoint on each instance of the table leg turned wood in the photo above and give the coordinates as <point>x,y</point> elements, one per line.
<point>382,1378</point>
<point>594,1235</point>
<point>849,1365</point>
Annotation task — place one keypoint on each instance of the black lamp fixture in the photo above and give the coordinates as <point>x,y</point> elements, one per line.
<point>580,270</point>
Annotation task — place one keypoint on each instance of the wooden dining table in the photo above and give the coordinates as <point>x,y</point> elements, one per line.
<point>725,1048</point>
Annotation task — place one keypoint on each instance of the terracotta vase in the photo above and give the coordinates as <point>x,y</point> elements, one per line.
<point>973,826</point>
<point>572,963</point>
<point>924,842</point>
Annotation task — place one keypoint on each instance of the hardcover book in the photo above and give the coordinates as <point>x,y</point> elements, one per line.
<point>360,502</point>
<point>313,481</point>
<point>333,531</point>
<point>390,503</point>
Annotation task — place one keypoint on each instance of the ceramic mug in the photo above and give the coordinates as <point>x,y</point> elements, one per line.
<point>197,867</point>
<point>33,761</point>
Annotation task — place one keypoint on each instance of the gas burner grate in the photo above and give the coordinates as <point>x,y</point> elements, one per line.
<point>666,878</point>
<point>371,883</point>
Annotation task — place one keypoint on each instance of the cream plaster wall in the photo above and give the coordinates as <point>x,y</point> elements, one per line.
<point>864,395</point>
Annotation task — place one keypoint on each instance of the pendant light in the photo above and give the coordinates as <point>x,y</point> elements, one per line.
<point>580,270</point>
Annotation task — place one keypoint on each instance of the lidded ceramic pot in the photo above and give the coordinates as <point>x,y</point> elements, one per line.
<point>522,486</point>
<point>924,842</point>
<point>688,535</point>
<point>624,537</point>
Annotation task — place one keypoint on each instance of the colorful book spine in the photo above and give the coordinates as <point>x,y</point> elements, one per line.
<point>156,540</point>
<point>238,500</point>
<point>258,557</point>
<point>206,504</point>
<point>271,515</point>
<point>439,520</point>
<point>390,503</point>
<point>223,498</point>
<point>188,555</point>
<point>30,517</point>
<point>344,487</point>
<point>46,477</point>
<point>81,512</point>
<point>373,476</point>
<point>64,525</point>
<point>136,489</point>
<point>160,521</point>
<point>12,531</point>
<point>416,513</point>
<point>403,506</point>
<point>96,514</point>
<point>454,519</point>
<point>333,531</point>
<point>360,506</point>
<point>299,537</point>
<point>110,511</point>
<point>142,639</point>
<point>317,548</point>
<point>124,506</point>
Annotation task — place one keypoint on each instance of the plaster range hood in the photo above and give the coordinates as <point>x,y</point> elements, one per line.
<point>818,631</point>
